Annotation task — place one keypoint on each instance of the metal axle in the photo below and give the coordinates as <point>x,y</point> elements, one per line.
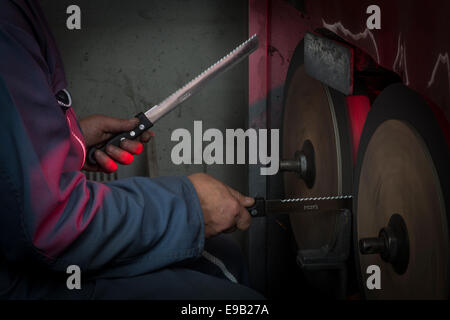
<point>392,244</point>
<point>303,164</point>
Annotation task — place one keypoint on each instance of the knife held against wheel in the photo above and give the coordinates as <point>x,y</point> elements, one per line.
<point>147,119</point>
<point>263,207</point>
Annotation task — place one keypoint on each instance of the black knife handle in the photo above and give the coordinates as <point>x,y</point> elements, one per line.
<point>258,209</point>
<point>143,125</point>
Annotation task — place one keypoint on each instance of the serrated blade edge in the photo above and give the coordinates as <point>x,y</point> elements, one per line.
<point>225,63</point>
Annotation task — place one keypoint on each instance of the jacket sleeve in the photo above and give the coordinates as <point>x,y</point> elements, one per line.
<point>50,213</point>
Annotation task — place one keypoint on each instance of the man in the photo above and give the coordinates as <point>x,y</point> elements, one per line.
<point>133,238</point>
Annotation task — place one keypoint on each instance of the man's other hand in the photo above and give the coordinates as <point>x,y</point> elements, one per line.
<point>224,209</point>
<point>99,128</point>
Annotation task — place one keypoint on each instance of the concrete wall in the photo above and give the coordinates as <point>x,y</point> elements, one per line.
<point>130,55</point>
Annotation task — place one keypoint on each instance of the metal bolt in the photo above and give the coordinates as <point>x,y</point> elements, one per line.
<point>141,127</point>
<point>372,245</point>
<point>132,133</point>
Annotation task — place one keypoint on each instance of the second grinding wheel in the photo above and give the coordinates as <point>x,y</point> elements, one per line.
<point>402,188</point>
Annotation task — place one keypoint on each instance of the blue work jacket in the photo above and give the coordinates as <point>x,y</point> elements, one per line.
<point>50,215</point>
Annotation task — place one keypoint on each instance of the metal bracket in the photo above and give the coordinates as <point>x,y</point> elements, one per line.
<point>333,254</point>
<point>330,62</point>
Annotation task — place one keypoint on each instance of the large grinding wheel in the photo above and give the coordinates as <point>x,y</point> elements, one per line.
<point>315,115</point>
<point>402,184</point>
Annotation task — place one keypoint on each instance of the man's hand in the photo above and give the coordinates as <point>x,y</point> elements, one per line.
<point>223,207</point>
<point>99,128</point>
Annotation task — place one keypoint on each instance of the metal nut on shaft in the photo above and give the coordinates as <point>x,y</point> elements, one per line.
<point>303,164</point>
<point>392,244</point>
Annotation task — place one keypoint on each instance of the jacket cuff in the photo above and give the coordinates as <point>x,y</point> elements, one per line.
<point>196,209</point>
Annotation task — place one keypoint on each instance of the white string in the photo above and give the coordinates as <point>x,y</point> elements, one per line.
<point>214,260</point>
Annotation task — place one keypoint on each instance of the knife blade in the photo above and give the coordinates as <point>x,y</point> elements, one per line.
<point>148,119</point>
<point>263,207</point>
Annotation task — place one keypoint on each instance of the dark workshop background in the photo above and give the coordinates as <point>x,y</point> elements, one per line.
<point>130,55</point>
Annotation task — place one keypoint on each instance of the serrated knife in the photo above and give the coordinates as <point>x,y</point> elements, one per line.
<point>263,207</point>
<point>147,119</point>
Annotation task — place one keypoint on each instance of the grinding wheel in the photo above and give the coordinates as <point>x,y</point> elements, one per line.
<point>401,200</point>
<point>316,114</point>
